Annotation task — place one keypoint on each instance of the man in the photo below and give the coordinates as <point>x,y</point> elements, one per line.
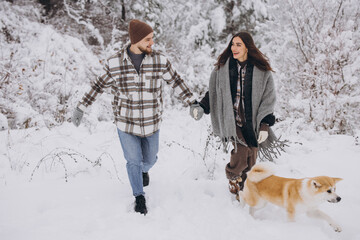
<point>136,75</point>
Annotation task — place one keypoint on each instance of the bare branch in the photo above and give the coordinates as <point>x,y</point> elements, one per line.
<point>337,14</point>
<point>298,39</point>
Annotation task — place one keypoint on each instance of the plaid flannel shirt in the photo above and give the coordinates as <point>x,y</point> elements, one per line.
<point>137,98</point>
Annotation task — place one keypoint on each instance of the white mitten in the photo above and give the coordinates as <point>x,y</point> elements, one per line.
<point>263,135</point>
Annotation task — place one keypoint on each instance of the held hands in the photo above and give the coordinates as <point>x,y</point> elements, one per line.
<point>196,111</point>
<point>77,116</point>
<point>263,135</point>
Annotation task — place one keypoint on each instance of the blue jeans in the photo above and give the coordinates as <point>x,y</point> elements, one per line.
<point>140,154</point>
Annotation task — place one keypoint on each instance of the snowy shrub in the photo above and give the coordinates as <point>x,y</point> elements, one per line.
<point>314,50</point>
<point>41,71</point>
<point>50,51</point>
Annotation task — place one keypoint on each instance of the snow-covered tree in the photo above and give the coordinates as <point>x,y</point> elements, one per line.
<point>41,70</point>
<point>314,48</point>
<point>51,49</point>
<point>242,15</point>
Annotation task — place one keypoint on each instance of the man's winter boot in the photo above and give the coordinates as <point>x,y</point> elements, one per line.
<point>140,205</point>
<point>146,179</point>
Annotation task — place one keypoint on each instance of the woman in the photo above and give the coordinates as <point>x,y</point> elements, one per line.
<point>240,101</point>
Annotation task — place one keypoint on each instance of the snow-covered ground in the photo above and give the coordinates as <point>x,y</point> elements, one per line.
<point>79,187</point>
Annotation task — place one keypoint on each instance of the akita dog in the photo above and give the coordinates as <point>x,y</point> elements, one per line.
<point>295,195</point>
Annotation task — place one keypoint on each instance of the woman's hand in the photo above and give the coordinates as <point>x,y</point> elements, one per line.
<point>263,135</point>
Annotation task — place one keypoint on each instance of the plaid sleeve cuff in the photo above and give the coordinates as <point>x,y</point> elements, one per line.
<point>191,100</point>
<point>81,107</point>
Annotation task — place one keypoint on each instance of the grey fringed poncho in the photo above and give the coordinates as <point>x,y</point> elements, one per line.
<point>221,105</point>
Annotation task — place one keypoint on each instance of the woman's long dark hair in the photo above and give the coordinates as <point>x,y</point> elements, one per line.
<point>255,57</point>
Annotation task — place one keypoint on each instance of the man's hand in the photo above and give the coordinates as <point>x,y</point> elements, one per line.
<point>77,116</point>
<point>196,111</point>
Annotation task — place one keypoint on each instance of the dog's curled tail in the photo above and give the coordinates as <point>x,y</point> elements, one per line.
<point>260,171</point>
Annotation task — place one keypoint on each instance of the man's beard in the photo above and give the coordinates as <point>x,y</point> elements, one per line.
<point>145,50</point>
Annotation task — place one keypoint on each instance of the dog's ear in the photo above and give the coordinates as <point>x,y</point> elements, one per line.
<point>337,179</point>
<point>315,184</point>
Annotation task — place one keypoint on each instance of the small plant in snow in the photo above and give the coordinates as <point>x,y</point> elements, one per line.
<point>62,156</point>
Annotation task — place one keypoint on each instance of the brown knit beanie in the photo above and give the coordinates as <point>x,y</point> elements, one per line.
<point>138,30</point>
